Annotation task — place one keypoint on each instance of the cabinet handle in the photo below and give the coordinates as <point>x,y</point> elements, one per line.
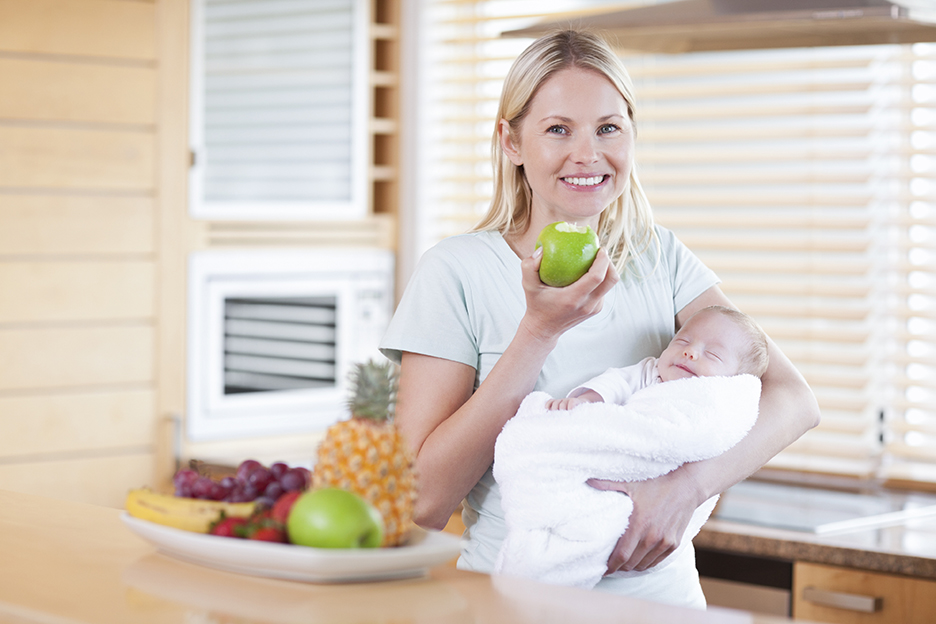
<point>839,600</point>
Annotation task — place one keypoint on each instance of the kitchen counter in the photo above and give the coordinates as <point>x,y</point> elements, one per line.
<point>76,563</point>
<point>893,550</point>
<point>906,547</point>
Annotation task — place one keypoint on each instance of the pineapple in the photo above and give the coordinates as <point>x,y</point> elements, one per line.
<point>367,455</point>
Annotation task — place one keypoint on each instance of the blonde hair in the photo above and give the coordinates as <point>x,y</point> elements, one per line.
<point>625,228</point>
<point>756,360</point>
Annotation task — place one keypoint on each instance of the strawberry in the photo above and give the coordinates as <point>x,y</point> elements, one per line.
<point>261,526</point>
<point>265,524</point>
<point>228,527</point>
<point>284,505</point>
<point>269,534</point>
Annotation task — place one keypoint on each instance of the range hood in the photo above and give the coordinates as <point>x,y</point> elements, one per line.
<point>705,25</point>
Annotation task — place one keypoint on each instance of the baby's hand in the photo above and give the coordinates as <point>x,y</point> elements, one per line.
<point>563,404</point>
<point>586,396</point>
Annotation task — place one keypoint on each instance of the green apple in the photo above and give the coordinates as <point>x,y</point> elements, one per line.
<point>334,518</point>
<point>568,252</point>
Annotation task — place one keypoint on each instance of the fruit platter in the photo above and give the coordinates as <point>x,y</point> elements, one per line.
<point>350,518</point>
<point>297,563</point>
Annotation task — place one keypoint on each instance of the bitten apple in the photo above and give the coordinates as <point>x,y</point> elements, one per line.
<point>334,518</point>
<point>568,252</point>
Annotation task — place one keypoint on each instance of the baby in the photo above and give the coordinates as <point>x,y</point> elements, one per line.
<point>715,341</point>
<point>628,426</point>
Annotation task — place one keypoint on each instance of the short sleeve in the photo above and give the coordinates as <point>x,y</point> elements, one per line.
<point>690,277</point>
<point>433,315</point>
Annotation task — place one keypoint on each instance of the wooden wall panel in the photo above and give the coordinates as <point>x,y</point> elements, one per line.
<point>76,291</point>
<point>88,159</point>
<point>85,479</point>
<point>58,423</point>
<point>103,28</point>
<point>79,246</point>
<point>93,211</point>
<point>61,357</point>
<point>66,91</point>
<point>76,224</point>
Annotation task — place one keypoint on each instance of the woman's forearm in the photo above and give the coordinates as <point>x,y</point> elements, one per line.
<point>458,451</point>
<point>788,409</point>
<point>663,506</point>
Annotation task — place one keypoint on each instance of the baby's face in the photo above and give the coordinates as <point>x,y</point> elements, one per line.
<point>709,344</point>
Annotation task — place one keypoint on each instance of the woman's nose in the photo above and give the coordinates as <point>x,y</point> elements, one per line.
<point>584,149</point>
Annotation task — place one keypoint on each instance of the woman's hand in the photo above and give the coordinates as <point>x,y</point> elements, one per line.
<point>662,510</point>
<point>551,311</point>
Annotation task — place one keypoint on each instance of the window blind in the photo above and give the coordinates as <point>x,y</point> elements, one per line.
<point>278,108</point>
<point>801,176</point>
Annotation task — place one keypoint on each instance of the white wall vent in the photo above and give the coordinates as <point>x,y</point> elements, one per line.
<point>272,335</point>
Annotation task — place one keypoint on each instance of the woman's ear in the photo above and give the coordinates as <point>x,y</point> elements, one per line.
<point>507,143</point>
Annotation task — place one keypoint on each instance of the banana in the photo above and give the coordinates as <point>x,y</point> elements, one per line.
<point>188,514</point>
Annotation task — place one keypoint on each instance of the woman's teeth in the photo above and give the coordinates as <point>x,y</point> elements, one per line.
<point>585,181</point>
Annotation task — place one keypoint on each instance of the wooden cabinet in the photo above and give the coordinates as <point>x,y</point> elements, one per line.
<point>823,593</point>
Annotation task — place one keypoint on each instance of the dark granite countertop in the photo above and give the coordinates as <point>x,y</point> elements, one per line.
<point>876,538</point>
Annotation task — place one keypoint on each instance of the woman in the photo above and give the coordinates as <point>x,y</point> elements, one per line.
<point>476,330</point>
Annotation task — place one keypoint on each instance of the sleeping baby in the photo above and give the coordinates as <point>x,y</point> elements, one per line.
<point>715,341</point>
<point>696,401</point>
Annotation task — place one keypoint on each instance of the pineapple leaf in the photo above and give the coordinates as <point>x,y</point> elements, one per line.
<point>373,387</point>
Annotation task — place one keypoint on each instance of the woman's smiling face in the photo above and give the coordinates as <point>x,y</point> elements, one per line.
<point>576,145</point>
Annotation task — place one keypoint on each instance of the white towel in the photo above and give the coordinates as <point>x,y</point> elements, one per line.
<point>560,529</point>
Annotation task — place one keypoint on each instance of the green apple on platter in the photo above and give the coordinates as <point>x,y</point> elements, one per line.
<point>334,518</point>
<point>568,252</point>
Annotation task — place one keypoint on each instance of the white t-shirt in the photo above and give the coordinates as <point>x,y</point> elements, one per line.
<point>464,303</point>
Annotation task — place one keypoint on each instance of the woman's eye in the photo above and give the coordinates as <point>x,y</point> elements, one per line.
<point>556,130</point>
<point>608,129</point>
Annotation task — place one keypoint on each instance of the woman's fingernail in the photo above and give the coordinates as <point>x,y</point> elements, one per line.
<point>537,252</point>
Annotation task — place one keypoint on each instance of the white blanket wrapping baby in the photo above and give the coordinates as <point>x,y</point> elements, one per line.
<point>560,529</point>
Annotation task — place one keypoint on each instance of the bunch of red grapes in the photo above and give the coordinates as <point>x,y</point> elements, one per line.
<point>252,482</point>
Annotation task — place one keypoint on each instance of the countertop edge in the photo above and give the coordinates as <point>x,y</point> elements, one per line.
<point>791,546</point>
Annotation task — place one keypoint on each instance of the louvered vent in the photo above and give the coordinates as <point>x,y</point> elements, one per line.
<point>278,115</point>
<point>279,344</point>
<point>272,335</point>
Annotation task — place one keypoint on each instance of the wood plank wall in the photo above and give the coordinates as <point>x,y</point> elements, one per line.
<point>95,236</point>
<point>78,247</point>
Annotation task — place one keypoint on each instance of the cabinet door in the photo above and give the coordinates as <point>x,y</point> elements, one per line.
<point>846,596</point>
<point>280,109</point>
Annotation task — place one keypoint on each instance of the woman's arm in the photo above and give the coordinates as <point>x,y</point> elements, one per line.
<point>663,506</point>
<point>453,430</point>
